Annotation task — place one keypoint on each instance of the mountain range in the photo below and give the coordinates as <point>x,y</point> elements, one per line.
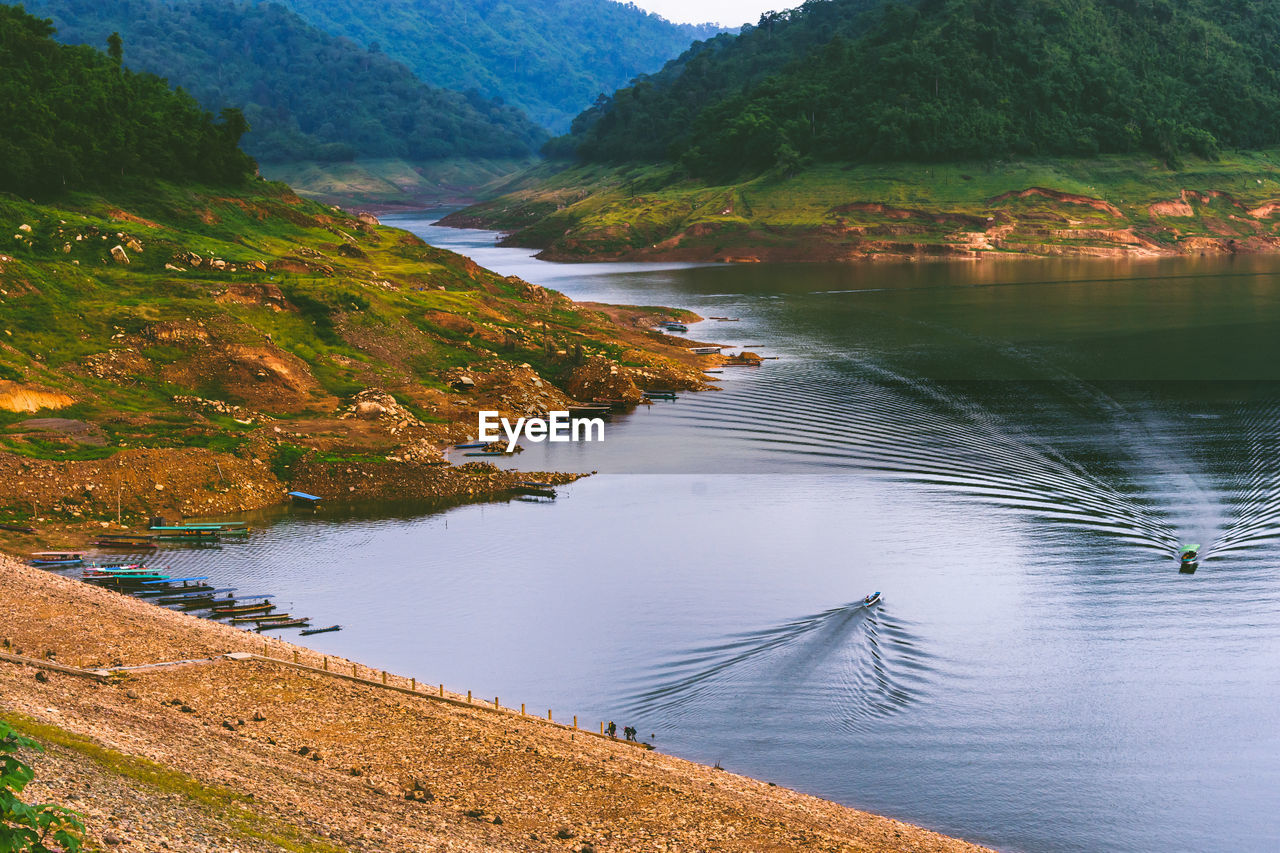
<point>551,58</point>
<point>306,94</point>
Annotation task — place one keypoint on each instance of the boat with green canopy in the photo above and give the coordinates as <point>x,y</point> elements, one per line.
<point>1189,554</point>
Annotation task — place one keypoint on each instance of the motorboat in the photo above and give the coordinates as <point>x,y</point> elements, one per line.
<point>871,600</point>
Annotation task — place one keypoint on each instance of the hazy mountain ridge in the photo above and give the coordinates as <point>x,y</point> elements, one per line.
<point>551,58</point>
<point>307,95</point>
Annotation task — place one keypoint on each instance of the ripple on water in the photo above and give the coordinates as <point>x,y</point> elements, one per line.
<point>861,663</point>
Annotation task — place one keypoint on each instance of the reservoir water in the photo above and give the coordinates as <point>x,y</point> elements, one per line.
<point>1011,452</point>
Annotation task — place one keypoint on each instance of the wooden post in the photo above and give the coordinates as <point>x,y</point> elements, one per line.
<point>441,689</point>
<point>353,670</point>
<point>468,696</point>
<point>384,676</point>
<point>413,684</point>
<point>264,649</point>
<point>602,727</point>
<point>575,721</point>
<point>496,706</point>
<point>522,709</point>
<point>326,664</point>
<point>295,655</point>
<point>549,720</point>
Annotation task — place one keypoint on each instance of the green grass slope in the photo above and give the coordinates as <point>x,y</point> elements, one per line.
<point>385,183</point>
<point>1115,204</point>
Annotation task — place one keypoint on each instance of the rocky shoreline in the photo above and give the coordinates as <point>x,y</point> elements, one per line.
<point>1106,207</point>
<point>254,754</point>
<point>304,347</point>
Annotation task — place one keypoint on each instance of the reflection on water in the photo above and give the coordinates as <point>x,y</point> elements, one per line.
<point>1012,453</point>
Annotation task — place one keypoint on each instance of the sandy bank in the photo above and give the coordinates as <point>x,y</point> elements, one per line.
<point>252,755</point>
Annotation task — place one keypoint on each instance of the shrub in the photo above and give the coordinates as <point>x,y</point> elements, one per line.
<point>24,828</point>
<point>284,458</point>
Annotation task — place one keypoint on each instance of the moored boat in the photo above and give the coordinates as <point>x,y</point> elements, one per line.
<point>292,623</point>
<point>57,558</point>
<point>281,617</point>
<point>311,631</point>
<point>577,412</point>
<point>128,579</point>
<point>244,609</point>
<point>172,587</point>
<point>198,597</point>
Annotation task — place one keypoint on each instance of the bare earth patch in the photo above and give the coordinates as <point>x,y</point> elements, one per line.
<point>254,755</point>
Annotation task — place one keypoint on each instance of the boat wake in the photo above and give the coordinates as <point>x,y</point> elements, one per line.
<point>950,436</point>
<point>861,664</point>
<point>1255,502</point>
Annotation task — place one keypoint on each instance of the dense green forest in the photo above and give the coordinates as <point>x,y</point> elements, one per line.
<point>551,58</point>
<point>307,95</point>
<point>935,80</point>
<point>78,119</point>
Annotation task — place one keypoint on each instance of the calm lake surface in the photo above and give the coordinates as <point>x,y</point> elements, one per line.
<point>1011,452</point>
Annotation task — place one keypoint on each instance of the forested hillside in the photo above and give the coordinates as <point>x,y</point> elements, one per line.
<point>551,58</point>
<point>77,119</point>
<point>941,80</point>
<point>307,95</point>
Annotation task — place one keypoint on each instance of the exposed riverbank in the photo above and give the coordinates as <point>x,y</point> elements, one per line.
<point>180,353</point>
<point>1121,206</point>
<point>252,755</point>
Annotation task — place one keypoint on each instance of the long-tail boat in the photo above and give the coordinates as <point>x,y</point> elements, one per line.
<point>310,631</point>
<point>125,541</point>
<point>243,609</point>
<point>176,586</point>
<point>292,623</point>
<point>128,579</point>
<point>189,535</point>
<point>279,617</point>
<point>57,558</point>
<point>197,596</point>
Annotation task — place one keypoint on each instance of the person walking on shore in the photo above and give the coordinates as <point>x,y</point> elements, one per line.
<point>629,733</point>
<point>612,729</point>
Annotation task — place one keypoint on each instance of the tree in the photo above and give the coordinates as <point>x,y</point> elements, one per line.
<point>115,48</point>
<point>26,828</point>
